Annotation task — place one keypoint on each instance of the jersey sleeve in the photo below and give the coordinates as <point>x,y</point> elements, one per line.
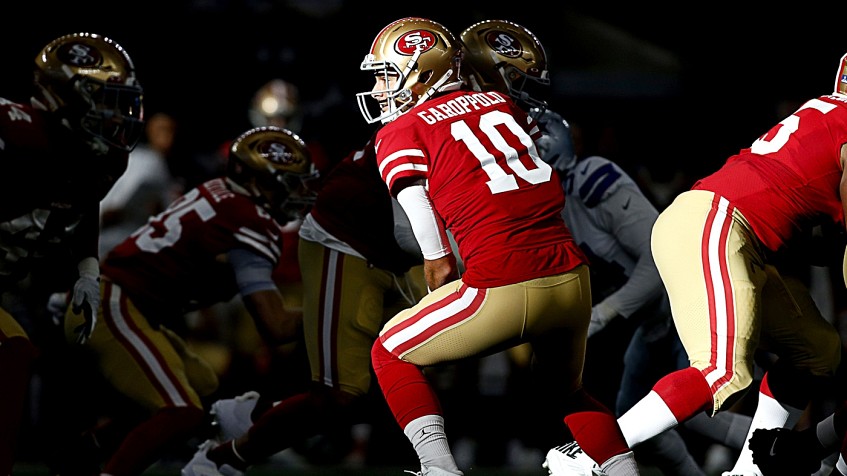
<point>628,215</point>
<point>264,240</point>
<point>401,160</point>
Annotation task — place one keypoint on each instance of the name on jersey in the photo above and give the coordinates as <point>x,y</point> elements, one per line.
<point>219,190</point>
<point>460,105</point>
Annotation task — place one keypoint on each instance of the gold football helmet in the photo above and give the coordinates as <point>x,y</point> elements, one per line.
<point>841,77</point>
<point>274,166</point>
<point>89,81</point>
<point>506,57</point>
<point>276,103</point>
<point>414,58</point>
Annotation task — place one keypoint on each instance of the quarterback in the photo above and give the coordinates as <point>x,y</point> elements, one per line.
<point>479,176</point>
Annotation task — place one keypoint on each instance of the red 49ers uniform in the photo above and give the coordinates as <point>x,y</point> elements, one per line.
<point>714,246</point>
<point>787,180</point>
<point>354,206</point>
<point>174,264</point>
<point>355,274</point>
<point>177,262</point>
<point>50,190</point>
<point>502,205</point>
<point>525,281</point>
<point>50,211</point>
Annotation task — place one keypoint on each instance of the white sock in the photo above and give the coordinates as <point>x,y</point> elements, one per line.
<point>621,465</point>
<point>769,414</point>
<point>427,436</point>
<point>826,434</point>
<point>841,466</point>
<point>646,419</point>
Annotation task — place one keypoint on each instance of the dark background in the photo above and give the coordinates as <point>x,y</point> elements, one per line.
<point>665,89</point>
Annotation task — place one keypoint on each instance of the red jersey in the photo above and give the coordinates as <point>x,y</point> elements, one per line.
<point>51,185</point>
<point>355,207</point>
<point>789,178</point>
<point>176,264</point>
<point>502,203</point>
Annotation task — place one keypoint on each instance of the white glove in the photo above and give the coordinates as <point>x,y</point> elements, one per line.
<point>57,305</point>
<point>601,314</point>
<point>86,297</point>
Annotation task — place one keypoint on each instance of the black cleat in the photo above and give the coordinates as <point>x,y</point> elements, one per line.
<point>780,451</point>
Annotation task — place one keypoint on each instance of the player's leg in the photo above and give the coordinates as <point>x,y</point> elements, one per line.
<point>16,359</point>
<point>342,315</point>
<point>141,363</point>
<point>710,264</point>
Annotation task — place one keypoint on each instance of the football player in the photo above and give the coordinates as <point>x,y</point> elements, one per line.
<point>777,450</point>
<point>611,220</point>
<point>714,247</point>
<point>218,240</point>
<point>465,161</point>
<point>360,265</point>
<point>509,58</point>
<point>82,121</point>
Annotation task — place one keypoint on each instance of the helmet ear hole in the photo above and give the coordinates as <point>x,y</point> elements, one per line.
<point>425,76</point>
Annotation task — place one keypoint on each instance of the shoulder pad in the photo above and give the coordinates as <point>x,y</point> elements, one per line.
<point>22,127</point>
<point>594,178</point>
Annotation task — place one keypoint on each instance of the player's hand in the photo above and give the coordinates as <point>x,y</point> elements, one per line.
<point>556,145</point>
<point>86,298</point>
<point>57,305</point>
<point>601,315</point>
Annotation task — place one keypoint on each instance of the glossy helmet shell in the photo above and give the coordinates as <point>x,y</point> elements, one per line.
<point>422,54</point>
<point>89,81</point>
<point>276,103</point>
<point>274,166</point>
<point>506,57</point>
<point>841,78</point>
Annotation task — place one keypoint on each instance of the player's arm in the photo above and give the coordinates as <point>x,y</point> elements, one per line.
<point>629,216</point>
<point>403,234</point>
<point>440,265</point>
<point>253,274</point>
<point>85,296</point>
<point>86,237</point>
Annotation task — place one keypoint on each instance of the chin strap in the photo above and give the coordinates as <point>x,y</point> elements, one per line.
<point>439,86</point>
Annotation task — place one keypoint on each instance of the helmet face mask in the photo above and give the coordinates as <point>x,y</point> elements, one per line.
<point>273,165</point>
<point>117,116</point>
<point>390,97</point>
<point>412,59</point>
<point>89,82</point>
<point>527,90</point>
<point>508,58</point>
